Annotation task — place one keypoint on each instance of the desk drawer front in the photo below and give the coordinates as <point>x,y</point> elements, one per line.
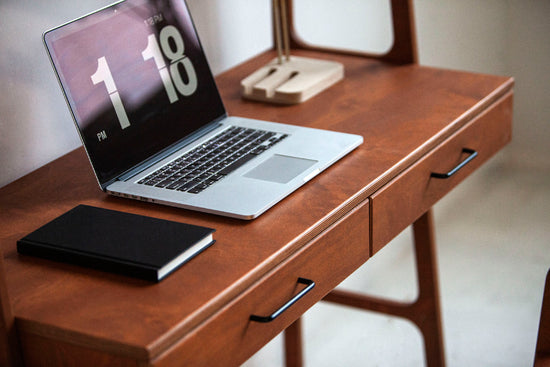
<point>414,191</point>
<point>229,338</point>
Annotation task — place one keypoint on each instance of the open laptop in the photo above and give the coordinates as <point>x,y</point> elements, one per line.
<point>148,111</point>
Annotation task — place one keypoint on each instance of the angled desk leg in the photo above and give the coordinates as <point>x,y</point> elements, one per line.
<point>293,344</point>
<point>424,312</point>
<point>542,356</point>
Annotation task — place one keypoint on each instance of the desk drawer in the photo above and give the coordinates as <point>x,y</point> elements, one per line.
<point>403,200</point>
<point>229,337</point>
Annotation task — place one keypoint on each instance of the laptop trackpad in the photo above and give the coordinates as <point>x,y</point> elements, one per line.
<point>280,168</point>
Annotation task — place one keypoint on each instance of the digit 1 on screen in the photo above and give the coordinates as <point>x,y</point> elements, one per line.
<point>152,51</point>
<point>103,74</point>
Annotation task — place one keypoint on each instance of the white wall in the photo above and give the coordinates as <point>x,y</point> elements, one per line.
<point>508,37</point>
<point>490,36</point>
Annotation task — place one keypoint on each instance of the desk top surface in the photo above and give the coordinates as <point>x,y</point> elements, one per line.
<point>401,111</point>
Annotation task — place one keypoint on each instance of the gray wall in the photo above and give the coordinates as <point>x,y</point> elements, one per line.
<point>488,36</point>
<point>507,37</point>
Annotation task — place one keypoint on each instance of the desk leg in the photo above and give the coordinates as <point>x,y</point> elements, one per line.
<point>293,344</point>
<point>424,312</point>
<point>542,356</point>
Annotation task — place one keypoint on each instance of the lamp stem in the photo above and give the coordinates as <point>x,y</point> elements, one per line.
<point>284,24</point>
<point>277,22</point>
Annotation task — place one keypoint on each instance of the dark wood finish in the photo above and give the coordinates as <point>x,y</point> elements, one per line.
<point>403,112</point>
<point>409,195</point>
<point>403,201</point>
<point>403,50</point>
<point>47,352</point>
<point>324,260</point>
<point>10,352</point>
<point>425,311</point>
<point>414,105</point>
<point>542,357</point>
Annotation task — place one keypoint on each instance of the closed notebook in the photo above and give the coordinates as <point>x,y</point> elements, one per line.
<point>123,243</point>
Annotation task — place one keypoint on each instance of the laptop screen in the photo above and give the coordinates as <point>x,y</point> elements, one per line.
<point>136,79</point>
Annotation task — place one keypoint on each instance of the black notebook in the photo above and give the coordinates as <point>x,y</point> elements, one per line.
<point>129,244</point>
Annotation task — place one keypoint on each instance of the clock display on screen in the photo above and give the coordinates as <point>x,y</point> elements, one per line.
<point>136,79</point>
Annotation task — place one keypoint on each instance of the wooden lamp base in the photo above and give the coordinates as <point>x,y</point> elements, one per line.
<point>289,79</point>
<point>293,81</point>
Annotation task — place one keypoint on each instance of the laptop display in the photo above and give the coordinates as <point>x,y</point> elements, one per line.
<point>131,75</point>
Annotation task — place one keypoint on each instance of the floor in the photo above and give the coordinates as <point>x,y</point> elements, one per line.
<point>492,240</point>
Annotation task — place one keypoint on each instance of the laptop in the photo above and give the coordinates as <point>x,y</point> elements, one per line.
<point>145,103</point>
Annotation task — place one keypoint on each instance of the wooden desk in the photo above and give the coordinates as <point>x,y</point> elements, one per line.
<point>415,120</point>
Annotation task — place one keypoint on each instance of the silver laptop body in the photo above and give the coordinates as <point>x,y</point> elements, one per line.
<point>143,98</point>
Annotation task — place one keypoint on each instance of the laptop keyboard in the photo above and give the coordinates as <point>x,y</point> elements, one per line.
<point>213,160</point>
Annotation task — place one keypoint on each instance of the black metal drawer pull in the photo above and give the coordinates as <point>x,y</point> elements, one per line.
<point>471,155</point>
<point>310,284</point>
